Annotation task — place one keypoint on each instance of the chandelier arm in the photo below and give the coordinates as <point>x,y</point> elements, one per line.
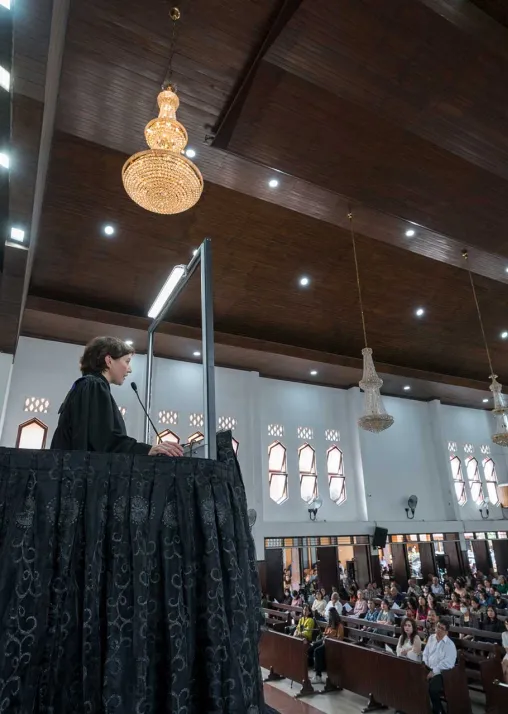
<point>358,284</point>
<point>465,256</point>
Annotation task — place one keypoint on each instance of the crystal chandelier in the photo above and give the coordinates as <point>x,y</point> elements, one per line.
<point>161,179</point>
<point>500,411</point>
<point>375,418</point>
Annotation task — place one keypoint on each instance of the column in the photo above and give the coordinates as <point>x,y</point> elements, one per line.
<point>6,364</point>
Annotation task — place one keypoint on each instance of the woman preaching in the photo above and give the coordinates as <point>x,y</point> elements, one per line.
<point>90,419</point>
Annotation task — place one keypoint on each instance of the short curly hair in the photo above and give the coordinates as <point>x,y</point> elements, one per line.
<point>93,360</point>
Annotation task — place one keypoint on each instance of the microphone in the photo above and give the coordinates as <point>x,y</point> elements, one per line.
<point>135,388</point>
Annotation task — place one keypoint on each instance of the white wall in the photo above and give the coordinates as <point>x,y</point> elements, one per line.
<point>382,470</point>
<point>5,383</point>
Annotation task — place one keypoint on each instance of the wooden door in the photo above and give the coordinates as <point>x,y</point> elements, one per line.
<point>274,573</point>
<point>328,567</point>
<point>427,560</point>
<point>482,555</point>
<point>453,558</point>
<point>500,548</point>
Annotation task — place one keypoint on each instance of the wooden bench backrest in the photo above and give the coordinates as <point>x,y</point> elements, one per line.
<point>284,655</point>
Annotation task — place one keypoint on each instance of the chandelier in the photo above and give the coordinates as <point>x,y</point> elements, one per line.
<point>500,411</point>
<point>161,179</point>
<point>374,418</point>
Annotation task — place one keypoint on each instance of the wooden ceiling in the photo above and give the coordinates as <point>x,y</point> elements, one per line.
<point>395,108</point>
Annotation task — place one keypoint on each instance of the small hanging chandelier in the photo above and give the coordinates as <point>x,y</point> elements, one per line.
<point>500,411</point>
<point>375,418</point>
<point>161,179</point>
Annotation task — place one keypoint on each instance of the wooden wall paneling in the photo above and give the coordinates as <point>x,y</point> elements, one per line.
<point>328,567</point>
<point>261,564</point>
<point>482,555</point>
<point>362,566</point>
<point>500,548</point>
<point>274,573</point>
<point>453,558</point>
<point>400,563</point>
<point>375,567</point>
<point>427,559</point>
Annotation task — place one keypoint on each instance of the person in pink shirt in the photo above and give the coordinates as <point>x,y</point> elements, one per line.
<point>361,606</point>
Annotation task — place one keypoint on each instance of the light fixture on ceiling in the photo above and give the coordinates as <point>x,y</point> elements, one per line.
<point>194,252</point>
<point>190,153</point>
<point>313,372</point>
<point>419,312</point>
<point>161,179</point>
<point>109,230</point>
<point>196,354</point>
<point>129,342</point>
<point>304,281</point>
<point>6,3</point>
<point>500,411</point>
<point>485,400</point>
<point>410,233</point>
<point>504,335</point>
<point>17,234</point>
<point>407,388</point>
<point>174,278</point>
<point>5,79</point>
<point>374,418</point>
<point>4,160</point>
<point>273,183</point>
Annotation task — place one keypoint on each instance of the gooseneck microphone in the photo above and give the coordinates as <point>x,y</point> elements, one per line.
<point>135,388</point>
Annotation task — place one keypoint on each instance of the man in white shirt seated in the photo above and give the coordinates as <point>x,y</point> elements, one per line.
<point>334,602</point>
<point>436,588</point>
<point>439,655</point>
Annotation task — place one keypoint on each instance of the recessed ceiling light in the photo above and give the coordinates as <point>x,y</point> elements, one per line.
<point>194,251</point>
<point>504,335</point>
<point>304,281</point>
<point>419,312</point>
<point>17,234</point>
<point>6,3</point>
<point>109,230</point>
<point>407,388</point>
<point>313,372</point>
<point>196,354</point>
<point>4,160</point>
<point>129,342</point>
<point>5,79</point>
<point>273,183</point>
<point>485,401</point>
<point>190,153</point>
<point>410,233</point>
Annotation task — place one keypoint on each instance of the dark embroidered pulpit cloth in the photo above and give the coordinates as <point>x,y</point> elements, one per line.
<point>128,585</point>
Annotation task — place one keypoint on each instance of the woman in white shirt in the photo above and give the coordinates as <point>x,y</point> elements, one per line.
<point>409,644</point>
<point>319,606</point>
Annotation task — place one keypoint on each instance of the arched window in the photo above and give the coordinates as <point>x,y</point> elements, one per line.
<point>236,444</point>
<point>169,436</point>
<point>475,482</point>
<point>489,469</point>
<point>277,473</point>
<point>336,478</point>
<point>197,436</point>
<point>32,435</point>
<point>458,480</point>
<point>308,476</point>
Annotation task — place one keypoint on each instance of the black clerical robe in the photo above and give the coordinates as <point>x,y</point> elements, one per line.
<point>91,421</point>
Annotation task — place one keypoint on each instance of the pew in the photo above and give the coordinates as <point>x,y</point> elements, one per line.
<point>500,698</point>
<point>285,656</point>
<point>276,619</point>
<point>390,681</point>
<point>491,671</point>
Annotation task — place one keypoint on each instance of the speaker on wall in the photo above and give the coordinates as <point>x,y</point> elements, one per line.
<point>379,539</point>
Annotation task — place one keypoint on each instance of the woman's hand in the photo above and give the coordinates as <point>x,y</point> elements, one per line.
<point>166,449</point>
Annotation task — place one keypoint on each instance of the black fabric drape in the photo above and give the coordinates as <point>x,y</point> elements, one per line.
<point>128,585</point>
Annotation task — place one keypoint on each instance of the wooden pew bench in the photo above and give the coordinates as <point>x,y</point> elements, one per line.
<point>286,656</point>
<point>499,698</point>
<point>390,681</point>
<point>276,619</point>
<point>491,672</point>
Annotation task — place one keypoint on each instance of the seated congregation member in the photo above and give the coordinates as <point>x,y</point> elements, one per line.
<point>409,644</point>
<point>306,625</point>
<point>324,595</point>
<point>455,602</point>
<point>385,615</point>
<point>436,588</point>
<point>491,622</point>
<point>460,587</point>
<point>413,588</point>
<point>500,603</point>
<point>439,655</point>
<point>334,602</point>
<point>396,596</point>
<point>372,613</point>
<point>335,629</point>
<point>297,600</point>
<point>287,597</point>
<point>502,585</point>
<point>430,624</point>
<point>411,607</point>
<point>504,642</point>
<point>89,418</point>
<point>319,606</point>
<point>434,604</point>
<point>422,610</point>
<point>360,607</point>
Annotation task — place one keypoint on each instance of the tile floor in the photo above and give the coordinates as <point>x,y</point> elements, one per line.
<point>280,696</point>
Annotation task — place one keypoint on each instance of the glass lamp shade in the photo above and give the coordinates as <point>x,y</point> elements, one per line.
<point>375,418</point>
<point>500,412</point>
<point>161,179</point>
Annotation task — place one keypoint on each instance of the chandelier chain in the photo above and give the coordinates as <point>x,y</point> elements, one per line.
<point>465,256</point>
<point>358,284</point>
<point>175,15</point>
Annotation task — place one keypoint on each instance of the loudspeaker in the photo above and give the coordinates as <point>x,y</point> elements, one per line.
<point>379,539</point>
